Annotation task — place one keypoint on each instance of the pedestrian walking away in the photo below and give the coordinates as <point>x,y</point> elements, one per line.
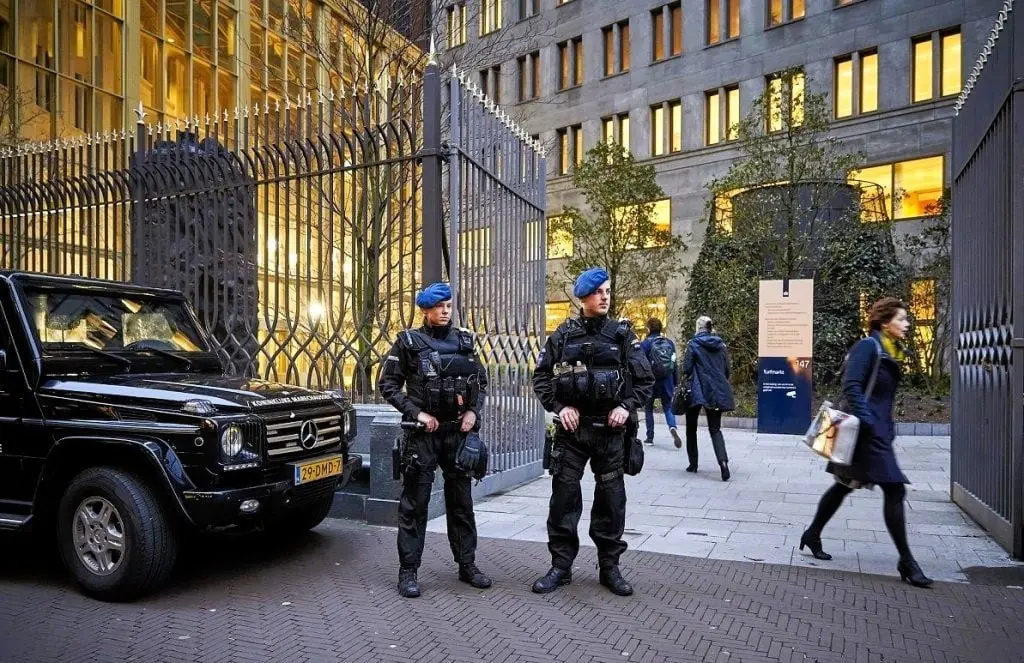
<point>591,373</point>
<point>706,377</point>
<point>870,382</point>
<point>661,353</point>
<point>445,384</point>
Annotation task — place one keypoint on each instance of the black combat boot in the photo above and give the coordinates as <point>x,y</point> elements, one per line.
<point>408,585</point>
<point>613,580</point>
<point>474,576</point>
<point>554,579</point>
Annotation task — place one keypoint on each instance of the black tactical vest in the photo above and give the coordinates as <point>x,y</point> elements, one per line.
<point>446,375</point>
<point>591,374</point>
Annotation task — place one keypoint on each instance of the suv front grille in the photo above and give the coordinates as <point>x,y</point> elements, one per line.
<point>288,431</point>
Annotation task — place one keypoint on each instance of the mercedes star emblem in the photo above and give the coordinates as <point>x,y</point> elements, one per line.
<point>308,434</point>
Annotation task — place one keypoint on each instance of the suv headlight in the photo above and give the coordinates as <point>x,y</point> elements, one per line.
<point>231,441</point>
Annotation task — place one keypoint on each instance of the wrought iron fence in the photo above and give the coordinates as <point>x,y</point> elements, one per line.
<point>987,465</point>
<point>302,232</point>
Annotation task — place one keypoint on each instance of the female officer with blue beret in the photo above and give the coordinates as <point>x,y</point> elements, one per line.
<point>445,384</point>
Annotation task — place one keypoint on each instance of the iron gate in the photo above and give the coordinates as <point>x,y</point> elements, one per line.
<point>302,232</point>
<point>987,464</point>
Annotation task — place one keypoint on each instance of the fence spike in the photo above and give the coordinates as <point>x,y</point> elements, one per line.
<point>140,114</point>
<point>330,94</point>
<point>287,103</point>
<point>277,106</point>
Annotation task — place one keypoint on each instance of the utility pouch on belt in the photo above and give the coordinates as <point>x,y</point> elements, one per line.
<point>549,440</point>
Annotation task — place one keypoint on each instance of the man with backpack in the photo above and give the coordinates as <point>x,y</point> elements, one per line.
<point>661,353</point>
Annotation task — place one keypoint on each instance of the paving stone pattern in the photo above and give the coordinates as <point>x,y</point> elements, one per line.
<point>760,513</point>
<point>331,597</point>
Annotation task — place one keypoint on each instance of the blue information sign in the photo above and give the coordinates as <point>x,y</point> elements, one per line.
<point>784,395</point>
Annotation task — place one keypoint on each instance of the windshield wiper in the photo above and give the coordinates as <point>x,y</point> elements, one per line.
<point>124,361</point>
<point>168,353</point>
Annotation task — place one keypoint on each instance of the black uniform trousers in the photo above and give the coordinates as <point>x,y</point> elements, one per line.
<point>427,451</point>
<point>605,452</point>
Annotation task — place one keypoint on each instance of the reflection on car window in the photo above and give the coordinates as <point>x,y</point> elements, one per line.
<point>64,319</point>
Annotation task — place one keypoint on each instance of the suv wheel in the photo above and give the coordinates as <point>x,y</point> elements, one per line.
<point>114,536</point>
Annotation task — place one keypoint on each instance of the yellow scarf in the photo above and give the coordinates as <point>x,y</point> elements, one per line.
<point>891,346</point>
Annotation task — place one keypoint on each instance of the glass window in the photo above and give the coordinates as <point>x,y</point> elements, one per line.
<point>35,40</point>
<point>714,15</point>
<point>578,69</point>
<point>563,65</point>
<point>555,313</point>
<point>799,9</point>
<point>675,12</point>
<point>624,44</point>
<point>227,38</point>
<point>76,105</point>
<point>626,219</point>
<point>178,83</point>
<point>560,243</point>
<point>176,24</point>
<point>676,130</point>
<point>475,247</point>
<point>109,113</point>
<point>641,309</point>
<point>151,20</point>
<point>109,52</point>
<point>918,184</point>
<point>151,85</point>
<point>923,70</point>
<point>202,29</point>
<point>714,131</point>
<point>74,23</point>
<point>868,82</point>
<point>732,112</point>
<point>203,94</point>
<point>624,131</point>
<point>657,35</point>
<point>658,130</point>
<point>844,87</point>
<point>578,140</point>
<point>565,158</point>
<point>608,129</point>
<point>490,16</point>
<point>257,54</point>
<point>226,85</point>
<point>608,35</point>
<point>951,64</point>
<point>734,18</point>
<point>775,16</point>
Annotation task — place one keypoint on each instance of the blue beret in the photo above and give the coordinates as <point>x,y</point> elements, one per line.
<point>589,281</point>
<point>433,294</point>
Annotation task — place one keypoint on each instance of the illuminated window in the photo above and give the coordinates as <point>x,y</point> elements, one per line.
<point>918,184</point>
<point>775,16</point>
<point>672,16</point>
<point>715,130</point>
<point>865,83</point>
<point>570,142</point>
<point>658,232</point>
<point>641,309</point>
<point>799,9</point>
<point>560,242</point>
<point>457,32</point>
<point>666,127</point>
<point>490,16</point>
<point>615,129</point>
<point>615,39</point>
<point>790,114</point>
<point>716,11</point>
<point>570,63</point>
<point>529,76</point>
<point>937,65</point>
<point>555,313</point>
<point>923,309</point>
<point>475,247</point>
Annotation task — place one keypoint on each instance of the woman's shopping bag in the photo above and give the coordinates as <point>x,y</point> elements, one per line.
<point>833,434</point>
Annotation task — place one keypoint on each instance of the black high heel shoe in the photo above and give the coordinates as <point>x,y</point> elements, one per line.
<point>692,467</point>
<point>725,470</point>
<point>814,543</point>
<point>910,572</point>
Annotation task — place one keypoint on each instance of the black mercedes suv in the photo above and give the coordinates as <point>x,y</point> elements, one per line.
<point>120,432</point>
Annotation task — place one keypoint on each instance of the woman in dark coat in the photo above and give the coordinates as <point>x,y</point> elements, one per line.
<point>706,371</point>
<point>874,460</point>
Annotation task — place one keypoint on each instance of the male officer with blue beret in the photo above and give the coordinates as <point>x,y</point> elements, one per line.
<point>593,375</point>
<point>445,384</point>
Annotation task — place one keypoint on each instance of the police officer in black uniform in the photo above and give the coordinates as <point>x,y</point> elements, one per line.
<point>593,375</point>
<point>445,385</point>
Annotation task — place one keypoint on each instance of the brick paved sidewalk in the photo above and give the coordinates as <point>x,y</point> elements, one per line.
<point>331,597</point>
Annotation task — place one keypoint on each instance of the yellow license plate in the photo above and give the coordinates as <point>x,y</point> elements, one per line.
<point>318,469</point>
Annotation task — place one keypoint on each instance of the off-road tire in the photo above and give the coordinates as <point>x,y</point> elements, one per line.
<point>149,539</point>
<point>302,519</point>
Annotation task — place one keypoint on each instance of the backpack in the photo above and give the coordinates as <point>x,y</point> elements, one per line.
<point>663,357</point>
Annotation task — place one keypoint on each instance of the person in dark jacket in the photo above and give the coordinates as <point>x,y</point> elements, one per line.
<point>869,389</point>
<point>664,384</point>
<point>706,369</point>
<point>445,385</point>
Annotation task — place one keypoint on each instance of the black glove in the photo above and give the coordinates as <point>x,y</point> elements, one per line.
<point>472,455</point>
